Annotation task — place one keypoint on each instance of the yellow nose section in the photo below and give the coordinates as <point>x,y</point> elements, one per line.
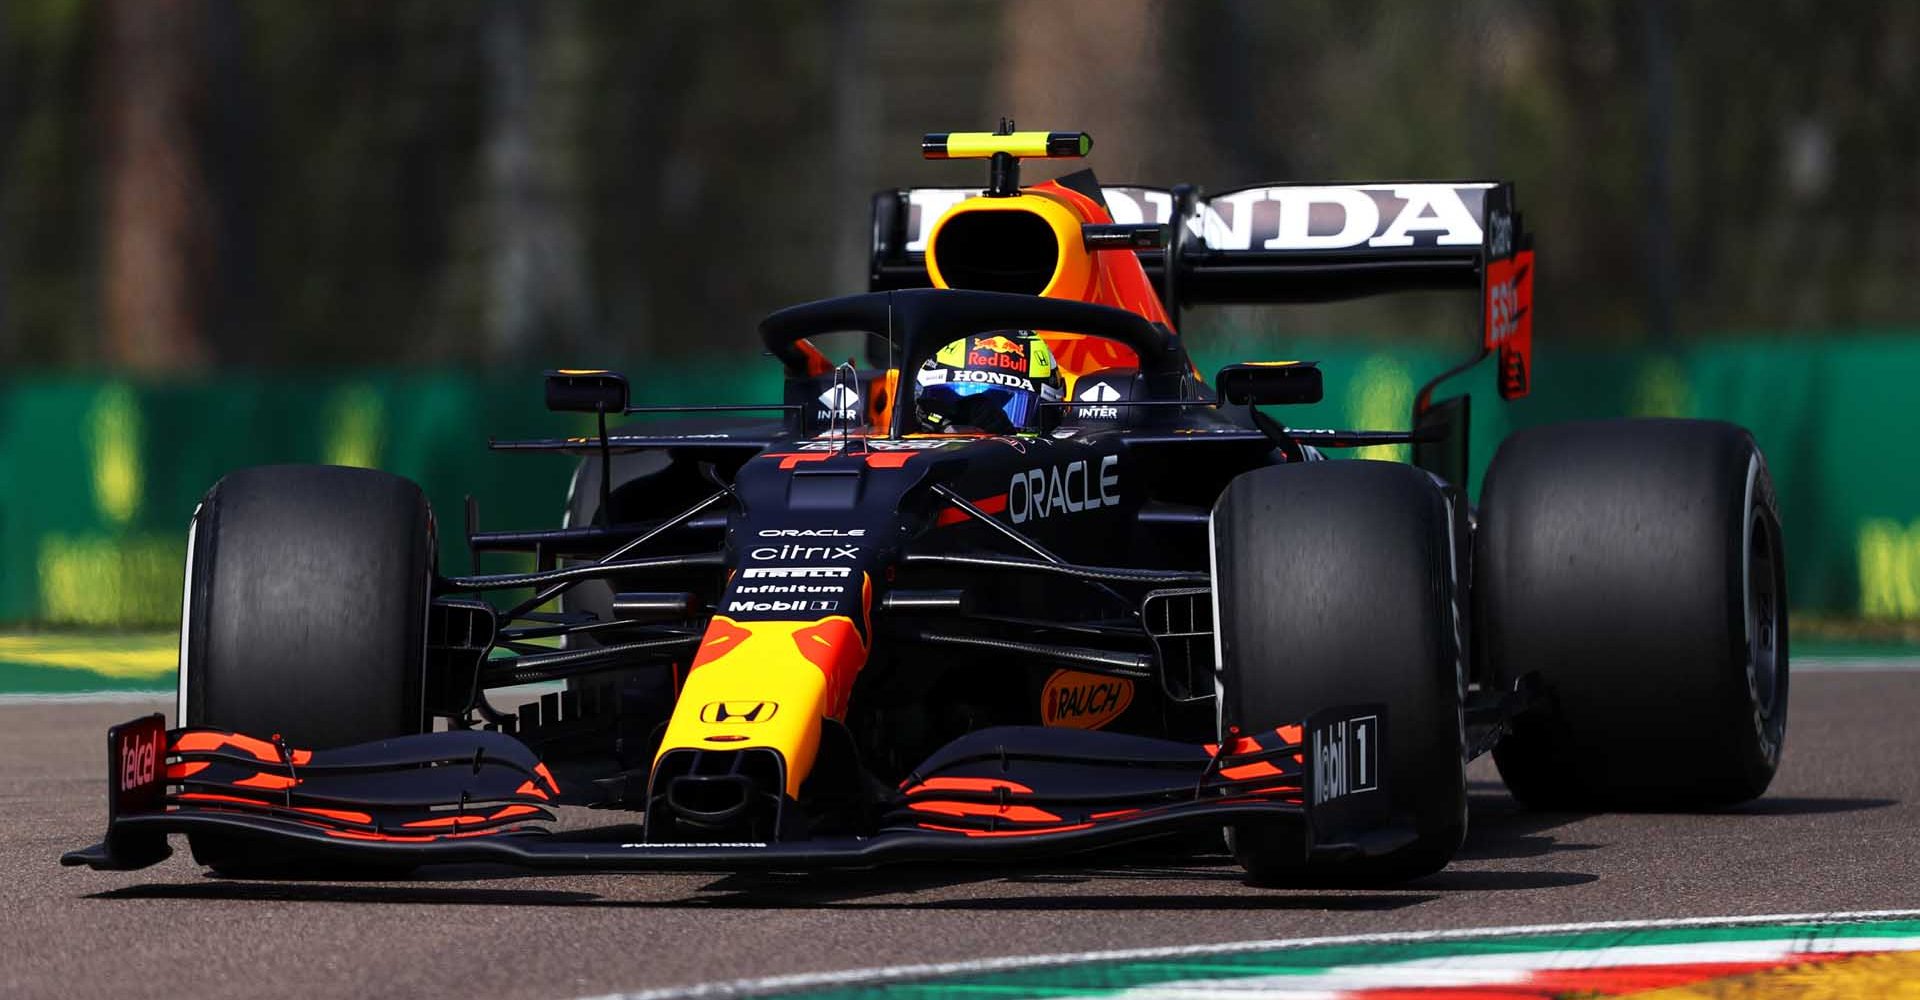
<point>767,684</point>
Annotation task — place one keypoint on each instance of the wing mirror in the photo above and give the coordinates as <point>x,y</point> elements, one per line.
<point>1122,236</point>
<point>572,390</point>
<point>1269,383</point>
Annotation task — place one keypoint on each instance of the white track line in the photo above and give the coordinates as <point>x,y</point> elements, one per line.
<point>512,696</point>
<point>852,977</point>
<point>158,698</point>
<point>1853,664</point>
<point>1495,970</point>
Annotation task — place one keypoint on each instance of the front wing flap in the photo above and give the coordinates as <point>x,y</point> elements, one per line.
<point>476,797</point>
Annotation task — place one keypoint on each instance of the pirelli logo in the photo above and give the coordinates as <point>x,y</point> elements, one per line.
<point>797,572</point>
<point>738,712</point>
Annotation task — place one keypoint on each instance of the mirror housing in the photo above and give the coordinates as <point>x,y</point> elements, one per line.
<point>1096,236</point>
<point>1275,383</point>
<point>572,390</point>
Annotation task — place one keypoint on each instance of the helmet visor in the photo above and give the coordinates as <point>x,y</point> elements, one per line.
<point>993,408</point>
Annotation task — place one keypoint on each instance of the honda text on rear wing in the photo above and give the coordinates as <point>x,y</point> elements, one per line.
<point>1274,243</point>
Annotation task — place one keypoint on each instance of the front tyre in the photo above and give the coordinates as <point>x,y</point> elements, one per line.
<point>1334,583</point>
<point>305,612</point>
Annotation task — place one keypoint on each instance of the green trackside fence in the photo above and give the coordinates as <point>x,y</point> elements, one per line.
<point>98,476</point>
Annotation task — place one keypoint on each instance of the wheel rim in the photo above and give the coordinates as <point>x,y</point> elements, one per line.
<point>1763,614</point>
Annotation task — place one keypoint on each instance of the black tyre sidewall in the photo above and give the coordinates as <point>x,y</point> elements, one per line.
<point>1611,561</point>
<point>1334,587</point>
<point>307,602</point>
<point>306,599</point>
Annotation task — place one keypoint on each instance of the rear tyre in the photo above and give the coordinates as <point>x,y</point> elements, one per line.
<point>1636,568</point>
<point>1334,585</point>
<point>305,613</point>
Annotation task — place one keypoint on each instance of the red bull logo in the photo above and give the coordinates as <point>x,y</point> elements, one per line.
<point>999,345</point>
<point>991,359</point>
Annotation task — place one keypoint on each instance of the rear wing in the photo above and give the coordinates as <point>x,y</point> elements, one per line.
<point>1290,243</point>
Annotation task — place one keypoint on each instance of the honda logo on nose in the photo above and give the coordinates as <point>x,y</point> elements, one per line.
<point>738,712</point>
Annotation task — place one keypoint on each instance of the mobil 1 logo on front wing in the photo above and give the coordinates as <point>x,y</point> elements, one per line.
<point>1343,751</point>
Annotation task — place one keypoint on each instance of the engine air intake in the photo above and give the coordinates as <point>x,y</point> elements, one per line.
<point>998,252</point>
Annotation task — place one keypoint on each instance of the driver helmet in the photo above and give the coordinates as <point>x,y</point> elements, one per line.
<point>993,382</point>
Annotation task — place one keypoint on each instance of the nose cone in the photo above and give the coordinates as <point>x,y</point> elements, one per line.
<point>766,685</point>
<point>719,795</point>
<point>709,799</point>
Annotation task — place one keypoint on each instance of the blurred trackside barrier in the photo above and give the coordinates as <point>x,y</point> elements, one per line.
<point>98,477</point>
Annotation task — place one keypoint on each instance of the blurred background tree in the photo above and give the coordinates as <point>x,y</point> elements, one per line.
<point>193,183</point>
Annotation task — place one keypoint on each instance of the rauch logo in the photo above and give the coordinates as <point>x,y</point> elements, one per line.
<point>1076,700</point>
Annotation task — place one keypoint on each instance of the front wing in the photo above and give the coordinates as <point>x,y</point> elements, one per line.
<point>480,797</point>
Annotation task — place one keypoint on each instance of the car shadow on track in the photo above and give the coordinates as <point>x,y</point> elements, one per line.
<point>1128,879</point>
<point>770,895</point>
<point>1801,806</point>
<point>1461,880</point>
<point>1502,829</point>
<point>1190,874</point>
<point>333,892</point>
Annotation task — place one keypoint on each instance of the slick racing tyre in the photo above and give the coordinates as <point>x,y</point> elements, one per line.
<point>1334,585</point>
<point>305,612</point>
<point>1635,568</point>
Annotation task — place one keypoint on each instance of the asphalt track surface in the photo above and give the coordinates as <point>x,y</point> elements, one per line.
<point>1839,831</point>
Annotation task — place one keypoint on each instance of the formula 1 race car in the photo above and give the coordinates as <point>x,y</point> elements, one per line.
<point>1023,584</point>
